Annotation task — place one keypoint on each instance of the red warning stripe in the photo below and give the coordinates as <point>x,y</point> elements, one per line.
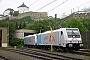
<point>74,39</point>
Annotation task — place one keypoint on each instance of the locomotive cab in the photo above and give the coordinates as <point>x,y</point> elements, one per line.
<point>74,40</point>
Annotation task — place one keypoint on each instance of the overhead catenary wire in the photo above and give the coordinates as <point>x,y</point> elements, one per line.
<point>34,2</point>
<point>77,6</point>
<point>57,6</point>
<point>46,5</point>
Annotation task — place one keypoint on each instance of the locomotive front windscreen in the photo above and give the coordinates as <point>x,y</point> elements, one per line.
<point>73,33</point>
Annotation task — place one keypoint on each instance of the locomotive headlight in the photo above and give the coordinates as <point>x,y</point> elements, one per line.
<point>81,45</point>
<point>80,41</point>
<point>69,41</point>
<point>70,45</point>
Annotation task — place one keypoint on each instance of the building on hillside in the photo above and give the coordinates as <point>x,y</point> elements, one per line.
<point>7,12</point>
<point>23,12</point>
<point>23,8</point>
<point>1,17</point>
<point>34,15</point>
<point>78,15</point>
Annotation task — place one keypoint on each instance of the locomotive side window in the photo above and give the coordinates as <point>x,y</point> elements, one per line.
<point>61,32</point>
<point>73,33</point>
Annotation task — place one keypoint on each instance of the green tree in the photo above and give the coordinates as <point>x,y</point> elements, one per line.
<point>11,29</point>
<point>30,26</point>
<point>41,25</point>
<point>11,13</point>
<point>15,13</point>
<point>76,23</point>
<point>3,23</point>
<point>44,25</point>
<point>16,25</point>
<point>20,26</point>
<point>16,42</point>
<point>23,25</point>
<point>8,25</point>
<point>86,23</point>
<point>25,20</point>
<point>63,23</point>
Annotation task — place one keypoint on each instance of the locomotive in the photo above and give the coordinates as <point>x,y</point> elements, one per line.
<point>63,38</point>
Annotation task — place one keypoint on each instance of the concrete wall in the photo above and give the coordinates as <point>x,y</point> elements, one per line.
<point>20,33</point>
<point>4,37</point>
<point>86,39</point>
<point>78,15</point>
<point>33,15</point>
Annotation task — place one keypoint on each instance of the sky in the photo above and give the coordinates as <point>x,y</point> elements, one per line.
<point>52,7</point>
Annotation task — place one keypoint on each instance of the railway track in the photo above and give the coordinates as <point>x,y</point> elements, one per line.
<point>4,58</point>
<point>81,53</point>
<point>42,54</point>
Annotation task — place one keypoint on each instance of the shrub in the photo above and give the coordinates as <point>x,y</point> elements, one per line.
<point>16,42</point>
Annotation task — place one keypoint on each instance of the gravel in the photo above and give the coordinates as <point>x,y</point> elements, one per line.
<point>15,56</point>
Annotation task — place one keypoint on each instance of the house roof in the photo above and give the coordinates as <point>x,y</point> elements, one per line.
<point>23,5</point>
<point>9,9</point>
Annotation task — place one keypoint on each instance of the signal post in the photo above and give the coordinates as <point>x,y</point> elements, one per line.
<point>51,39</point>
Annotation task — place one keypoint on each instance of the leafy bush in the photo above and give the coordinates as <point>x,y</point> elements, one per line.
<point>16,42</point>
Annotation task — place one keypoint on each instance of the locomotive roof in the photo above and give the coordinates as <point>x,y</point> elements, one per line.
<point>31,35</point>
<point>61,29</point>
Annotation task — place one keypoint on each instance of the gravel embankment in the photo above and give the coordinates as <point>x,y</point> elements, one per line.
<point>15,56</point>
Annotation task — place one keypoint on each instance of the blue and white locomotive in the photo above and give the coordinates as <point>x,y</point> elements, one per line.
<point>65,38</point>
